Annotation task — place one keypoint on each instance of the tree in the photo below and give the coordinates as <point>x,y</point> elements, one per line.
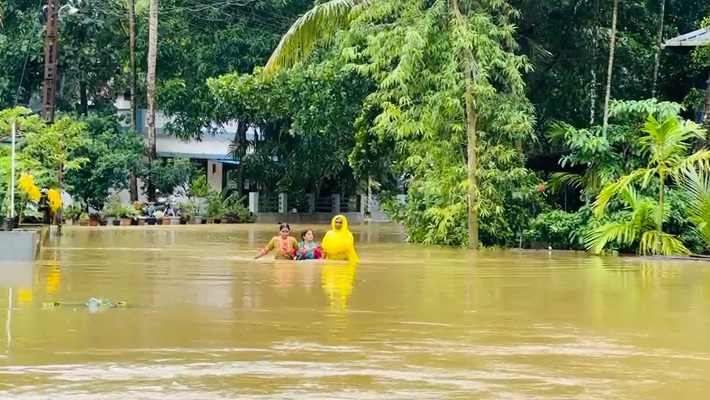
<point>701,57</point>
<point>657,59</point>
<point>171,175</point>
<point>152,60</point>
<point>111,154</point>
<point>610,67</point>
<point>469,80</point>
<point>667,146</point>
<point>133,86</point>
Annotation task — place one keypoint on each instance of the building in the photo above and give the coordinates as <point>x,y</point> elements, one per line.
<point>212,151</point>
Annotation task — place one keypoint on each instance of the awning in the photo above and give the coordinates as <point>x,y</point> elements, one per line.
<point>701,37</point>
<point>226,161</point>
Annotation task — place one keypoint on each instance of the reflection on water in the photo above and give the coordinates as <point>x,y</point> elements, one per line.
<point>209,322</point>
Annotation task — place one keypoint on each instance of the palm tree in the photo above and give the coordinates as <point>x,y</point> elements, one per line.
<point>696,187</point>
<point>152,59</point>
<point>641,225</point>
<point>667,145</point>
<point>324,20</point>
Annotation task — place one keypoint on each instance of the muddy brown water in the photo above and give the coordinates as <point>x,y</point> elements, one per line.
<point>407,322</point>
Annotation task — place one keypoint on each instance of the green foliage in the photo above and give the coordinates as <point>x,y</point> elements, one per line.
<point>172,175</point>
<point>215,205</point>
<point>199,187</point>
<point>305,114</point>
<point>235,211</point>
<point>640,226</point>
<point>697,195</point>
<point>558,229</point>
<point>111,154</point>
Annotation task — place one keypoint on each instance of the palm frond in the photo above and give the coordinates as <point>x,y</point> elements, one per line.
<point>696,187</point>
<point>623,233</point>
<point>321,22</point>
<point>670,245</point>
<point>613,189</point>
<point>559,180</point>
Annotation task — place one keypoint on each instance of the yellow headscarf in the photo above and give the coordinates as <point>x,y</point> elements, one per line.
<point>338,244</point>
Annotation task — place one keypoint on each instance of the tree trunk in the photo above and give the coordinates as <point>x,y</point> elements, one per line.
<point>133,90</point>
<point>472,183</point>
<point>612,45</point>
<point>469,63</point>
<point>595,50</point>
<point>241,139</point>
<point>706,107</point>
<point>657,60</point>
<point>83,98</point>
<point>661,186</point>
<point>152,59</point>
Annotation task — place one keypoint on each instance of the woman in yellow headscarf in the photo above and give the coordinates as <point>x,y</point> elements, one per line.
<point>338,243</point>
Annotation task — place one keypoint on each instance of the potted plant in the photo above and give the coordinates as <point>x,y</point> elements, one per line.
<point>198,192</point>
<point>94,218</point>
<point>112,209</point>
<point>159,217</point>
<point>84,219</point>
<point>187,211</point>
<point>127,213</point>
<point>235,212</point>
<point>72,214</point>
<point>215,208</point>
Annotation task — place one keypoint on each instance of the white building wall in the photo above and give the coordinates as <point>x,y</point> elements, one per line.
<point>214,175</point>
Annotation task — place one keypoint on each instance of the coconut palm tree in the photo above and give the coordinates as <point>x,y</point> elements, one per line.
<point>641,226</point>
<point>667,146</point>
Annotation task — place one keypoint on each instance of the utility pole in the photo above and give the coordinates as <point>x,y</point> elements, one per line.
<point>51,55</point>
<point>51,75</point>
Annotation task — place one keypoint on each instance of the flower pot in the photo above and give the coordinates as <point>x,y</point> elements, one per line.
<point>126,221</point>
<point>217,220</point>
<point>115,222</point>
<point>102,222</point>
<point>110,221</point>
<point>140,221</point>
<point>151,221</point>
<point>69,222</point>
<point>93,222</point>
<point>174,220</point>
<point>84,222</point>
<point>183,220</point>
<point>8,224</point>
<point>134,221</point>
<point>164,221</point>
<point>198,220</point>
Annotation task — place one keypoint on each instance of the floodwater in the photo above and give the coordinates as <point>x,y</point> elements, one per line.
<point>207,322</point>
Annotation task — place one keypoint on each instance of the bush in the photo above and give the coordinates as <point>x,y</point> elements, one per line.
<point>558,229</point>
<point>236,212</point>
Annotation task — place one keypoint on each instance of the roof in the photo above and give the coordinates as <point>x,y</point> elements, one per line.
<point>701,37</point>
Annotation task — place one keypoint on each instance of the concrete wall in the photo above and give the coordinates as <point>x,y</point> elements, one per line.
<point>19,245</point>
<point>297,218</point>
<point>214,175</point>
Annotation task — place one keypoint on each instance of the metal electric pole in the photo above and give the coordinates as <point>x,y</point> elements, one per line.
<point>51,55</point>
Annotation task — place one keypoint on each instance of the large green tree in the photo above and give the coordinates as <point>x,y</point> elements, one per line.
<point>445,76</point>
